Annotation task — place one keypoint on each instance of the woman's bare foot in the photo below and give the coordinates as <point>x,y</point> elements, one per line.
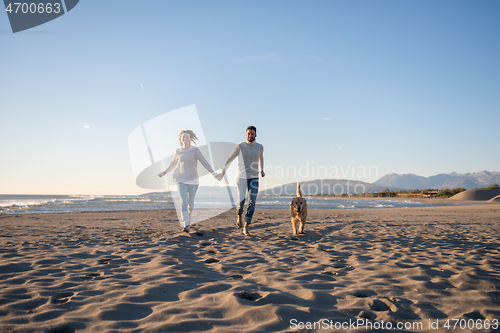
<point>245,230</point>
<point>239,222</point>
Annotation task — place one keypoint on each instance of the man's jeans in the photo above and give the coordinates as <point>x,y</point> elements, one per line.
<point>250,186</point>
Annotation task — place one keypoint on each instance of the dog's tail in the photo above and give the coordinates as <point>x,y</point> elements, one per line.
<point>299,194</point>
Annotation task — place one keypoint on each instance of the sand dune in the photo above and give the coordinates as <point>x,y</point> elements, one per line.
<point>476,195</point>
<point>495,199</point>
<point>135,272</point>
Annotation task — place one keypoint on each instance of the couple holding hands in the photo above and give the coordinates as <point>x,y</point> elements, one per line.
<point>250,163</point>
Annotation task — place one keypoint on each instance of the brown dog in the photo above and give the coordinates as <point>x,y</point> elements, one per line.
<point>298,209</point>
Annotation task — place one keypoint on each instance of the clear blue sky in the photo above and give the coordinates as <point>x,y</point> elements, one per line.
<point>405,86</point>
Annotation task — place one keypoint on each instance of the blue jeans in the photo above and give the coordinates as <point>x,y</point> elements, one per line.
<point>187,193</point>
<point>250,186</point>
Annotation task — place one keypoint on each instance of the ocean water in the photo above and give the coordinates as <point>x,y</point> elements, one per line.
<point>36,204</point>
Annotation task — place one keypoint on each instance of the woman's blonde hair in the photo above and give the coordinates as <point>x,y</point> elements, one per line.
<point>193,136</point>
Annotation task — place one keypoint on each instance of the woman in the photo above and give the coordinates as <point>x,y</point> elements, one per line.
<point>186,174</point>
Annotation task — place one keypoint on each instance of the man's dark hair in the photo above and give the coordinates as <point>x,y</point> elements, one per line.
<point>252,128</point>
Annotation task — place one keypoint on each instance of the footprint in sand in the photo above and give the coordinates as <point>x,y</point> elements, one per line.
<point>474,315</point>
<point>248,296</point>
<point>211,260</point>
<point>91,276</point>
<point>125,312</point>
<point>367,315</point>
<point>343,266</point>
<point>378,305</point>
<point>364,293</point>
<point>62,298</point>
<point>104,261</point>
<point>62,329</point>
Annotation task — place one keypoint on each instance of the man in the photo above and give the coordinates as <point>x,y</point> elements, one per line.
<point>250,163</point>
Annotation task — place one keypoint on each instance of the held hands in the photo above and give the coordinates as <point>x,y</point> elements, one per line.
<point>220,175</point>
<point>161,174</point>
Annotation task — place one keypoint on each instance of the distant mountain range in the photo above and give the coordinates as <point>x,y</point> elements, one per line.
<point>452,180</point>
<point>392,182</point>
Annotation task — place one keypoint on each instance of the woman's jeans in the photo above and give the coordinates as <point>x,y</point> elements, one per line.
<point>250,186</point>
<point>187,193</point>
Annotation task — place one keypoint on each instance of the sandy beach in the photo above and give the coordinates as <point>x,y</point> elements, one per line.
<point>134,271</point>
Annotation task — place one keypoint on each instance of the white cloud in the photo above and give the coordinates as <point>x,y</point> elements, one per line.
<point>326,118</point>
<point>86,126</point>
<point>261,57</point>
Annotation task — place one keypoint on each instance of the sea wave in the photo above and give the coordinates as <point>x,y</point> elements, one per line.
<point>22,204</point>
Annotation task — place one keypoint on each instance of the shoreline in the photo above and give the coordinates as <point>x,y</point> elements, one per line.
<point>431,201</point>
<point>169,212</point>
